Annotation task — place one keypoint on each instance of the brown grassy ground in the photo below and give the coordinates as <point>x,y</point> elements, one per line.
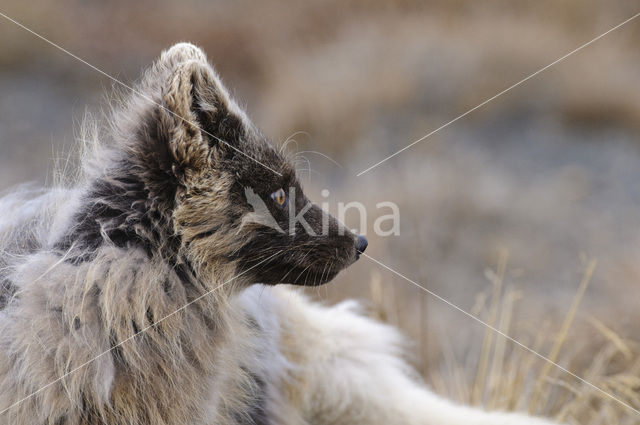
<point>506,376</point>
<point>547,173</point>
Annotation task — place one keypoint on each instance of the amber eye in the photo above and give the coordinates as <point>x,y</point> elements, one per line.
<point>280,197</point>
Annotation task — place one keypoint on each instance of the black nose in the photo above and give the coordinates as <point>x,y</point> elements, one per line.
<point>361,245</point>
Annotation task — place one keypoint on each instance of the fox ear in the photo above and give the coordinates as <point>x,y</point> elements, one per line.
<point>199,119</point>
<point>179,53</point>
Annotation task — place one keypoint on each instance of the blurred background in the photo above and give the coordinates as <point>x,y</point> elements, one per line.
<point>501,213</point>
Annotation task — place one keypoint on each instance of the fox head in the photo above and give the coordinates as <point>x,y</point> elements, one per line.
<point>209,188</point>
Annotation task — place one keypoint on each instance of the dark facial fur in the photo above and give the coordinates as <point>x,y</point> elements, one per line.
<point>176,186</point>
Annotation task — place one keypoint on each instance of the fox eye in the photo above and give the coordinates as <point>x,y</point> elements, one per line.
<point>279,197</point>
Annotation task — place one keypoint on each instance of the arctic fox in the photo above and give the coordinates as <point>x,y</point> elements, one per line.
<point>144,296</point>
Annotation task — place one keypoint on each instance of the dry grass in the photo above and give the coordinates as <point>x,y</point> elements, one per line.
<point>508,377</point>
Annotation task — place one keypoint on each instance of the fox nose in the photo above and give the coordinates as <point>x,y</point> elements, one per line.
<point>361,245</point>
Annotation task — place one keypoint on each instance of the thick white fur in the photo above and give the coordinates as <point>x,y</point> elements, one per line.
<point>338,367</point>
